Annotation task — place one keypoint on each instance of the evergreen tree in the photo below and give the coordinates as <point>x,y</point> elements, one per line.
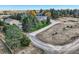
<point>48,20</point>
<point>15,38</point>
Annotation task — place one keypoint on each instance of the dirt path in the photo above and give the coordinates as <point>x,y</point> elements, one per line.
<point>46,47</point>
<point>72,47</point>
<point>3,48</point>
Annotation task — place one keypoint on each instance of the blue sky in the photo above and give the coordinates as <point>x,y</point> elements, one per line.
<point>36,7</point>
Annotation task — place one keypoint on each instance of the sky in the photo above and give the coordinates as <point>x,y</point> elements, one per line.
<point>37,7</point>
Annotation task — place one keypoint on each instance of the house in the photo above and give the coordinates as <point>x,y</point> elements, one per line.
<point>40,18</point>
<point>40,14</point>
<point>13,21</point>
<point>3,17</point>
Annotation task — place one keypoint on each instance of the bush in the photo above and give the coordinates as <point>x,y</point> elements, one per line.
<point>25,41</point>
<point>15,38</point>
<point>30,23</point>
<point>1,23</point>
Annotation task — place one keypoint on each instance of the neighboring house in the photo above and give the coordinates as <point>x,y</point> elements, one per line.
<point>40,14</point>
<point>40,18</point>
<point>3,17</point>
<point>13,21</point>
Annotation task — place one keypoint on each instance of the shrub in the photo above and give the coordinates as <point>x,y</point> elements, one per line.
<point>15,38</point>
<point>30,23</point>
<point>25,41</point>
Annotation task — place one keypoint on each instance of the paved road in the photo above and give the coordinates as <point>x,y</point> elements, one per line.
<point>46,47</point>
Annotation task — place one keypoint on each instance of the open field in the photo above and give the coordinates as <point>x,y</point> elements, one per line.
<point>65,32</point>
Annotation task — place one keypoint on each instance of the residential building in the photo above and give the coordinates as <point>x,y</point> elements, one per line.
<point>40,18</point>
<point>13,21</point>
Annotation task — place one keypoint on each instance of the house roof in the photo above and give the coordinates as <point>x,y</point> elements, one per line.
<point>4,16</point>
<point>9,20</point>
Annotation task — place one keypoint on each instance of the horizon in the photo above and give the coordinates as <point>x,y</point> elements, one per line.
<point>37,7</point>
